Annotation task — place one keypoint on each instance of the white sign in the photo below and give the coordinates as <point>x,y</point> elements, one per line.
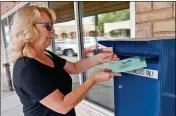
<point>145,73</point>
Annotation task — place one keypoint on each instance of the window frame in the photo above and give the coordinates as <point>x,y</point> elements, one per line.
<point>18,6</point>
<point>6,17</point>
<point>78,6</point>
<point>133,20</point>
<point>132,36</point>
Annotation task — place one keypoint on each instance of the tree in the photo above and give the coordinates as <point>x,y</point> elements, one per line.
<point>111,17</point>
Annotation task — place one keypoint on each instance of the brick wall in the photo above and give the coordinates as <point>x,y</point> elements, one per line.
<point>155,19</point>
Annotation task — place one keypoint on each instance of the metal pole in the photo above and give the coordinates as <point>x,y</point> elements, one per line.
<point>6,65</point>
<point>78,8</point>
<point>8,75</point>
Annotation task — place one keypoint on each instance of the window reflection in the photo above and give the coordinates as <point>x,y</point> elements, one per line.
<point>6,32</point>
<point>65,40</point>
<point>106,21</point>
<point>101,21</point>
<point>6,35</point>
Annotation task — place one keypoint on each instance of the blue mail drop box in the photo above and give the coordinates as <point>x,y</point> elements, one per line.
<point>149,91</point>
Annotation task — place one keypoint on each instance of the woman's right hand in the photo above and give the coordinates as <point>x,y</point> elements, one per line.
<point>104,75</point>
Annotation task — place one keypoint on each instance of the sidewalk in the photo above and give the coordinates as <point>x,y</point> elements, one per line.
<point>10,103</point>
<point>11,106</point>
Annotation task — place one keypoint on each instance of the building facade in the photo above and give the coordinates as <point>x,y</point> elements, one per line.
<point>80,24</point>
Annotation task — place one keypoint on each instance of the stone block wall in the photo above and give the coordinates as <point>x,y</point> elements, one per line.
<point>155,19</point>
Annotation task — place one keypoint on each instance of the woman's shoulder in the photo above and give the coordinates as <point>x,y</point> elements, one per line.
<point>23,67</point>
<point>24,62</point>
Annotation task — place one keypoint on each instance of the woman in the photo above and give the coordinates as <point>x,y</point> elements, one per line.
<point>41,79</point>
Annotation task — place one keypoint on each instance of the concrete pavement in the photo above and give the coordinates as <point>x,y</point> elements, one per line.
<point>11,106</point>
<point>10,103</point>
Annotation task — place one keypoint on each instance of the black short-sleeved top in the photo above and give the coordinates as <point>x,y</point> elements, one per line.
<point>34,80</point>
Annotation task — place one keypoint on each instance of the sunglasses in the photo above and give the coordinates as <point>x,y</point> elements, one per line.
<point>48,25</point>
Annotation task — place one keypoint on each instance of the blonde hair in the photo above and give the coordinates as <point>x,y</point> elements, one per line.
<point>24,31</point>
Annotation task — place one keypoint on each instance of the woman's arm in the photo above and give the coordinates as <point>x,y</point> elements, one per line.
<point>81,65</point>
<point>84,64</point>
<point>63,104</point>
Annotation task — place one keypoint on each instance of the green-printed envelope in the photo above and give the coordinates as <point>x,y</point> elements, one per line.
<point>127,64</point>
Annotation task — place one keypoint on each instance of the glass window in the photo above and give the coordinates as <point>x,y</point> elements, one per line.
<point>103,20</point>
<point>65,41</point>
<point>6,23</point>
<point>10,18</point>
<point>7,38</point>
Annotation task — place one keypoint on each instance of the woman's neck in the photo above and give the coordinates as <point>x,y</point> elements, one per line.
<point>39,53</point>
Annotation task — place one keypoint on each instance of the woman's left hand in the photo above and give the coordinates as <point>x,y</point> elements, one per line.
<point>106,55</point>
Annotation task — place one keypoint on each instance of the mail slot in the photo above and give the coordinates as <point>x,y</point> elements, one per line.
<point>149,91</point>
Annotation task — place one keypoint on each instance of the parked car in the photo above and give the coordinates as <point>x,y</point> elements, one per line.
<point>66,47</point>
<point>69,47</point>
<point>90,51</point>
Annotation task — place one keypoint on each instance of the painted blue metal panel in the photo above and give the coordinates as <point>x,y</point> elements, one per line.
<point>142,96</point>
